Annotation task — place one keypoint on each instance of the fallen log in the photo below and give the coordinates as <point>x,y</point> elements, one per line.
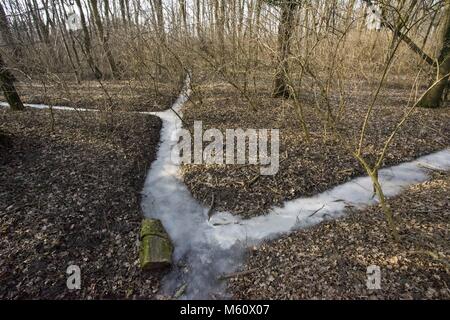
<point>155,246</point>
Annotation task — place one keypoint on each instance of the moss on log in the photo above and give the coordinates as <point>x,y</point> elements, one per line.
<point>156,248</point>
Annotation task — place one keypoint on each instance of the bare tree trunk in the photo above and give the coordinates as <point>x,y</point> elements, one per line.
<point>19,24</point>
<point>219,16</point>
<point>414,47</point>
<point>434,97</point>
<point>137,10</point>
<point>198,15</point>
<point>7,85</point>
<point>42,27</point>
<point>160,19</point>
<point>33,21</point>
<point>184,15</point>
<point>234,27</point>
<point>400,23</point>
<point>87,42</point>
<point>104,38</point>
<point>285,31</point>
<point>123,13</point>
<point>430,27</point>
<point>62,28</point>
<point>7,35</point>
<point>29,22</point>
<point>257,29</point>
<point>72,41</point>
<point>158,7</point>
<point>241,13</point>
<point>127,8</point>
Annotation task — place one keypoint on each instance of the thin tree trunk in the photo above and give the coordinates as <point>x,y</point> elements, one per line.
<point>198,18</point>
<point>33,21</point>
<point>285,31</point>
<point>220,24</point>
<point>435,96</point>
<point>7,35</point>
<point>160,20</point>
<point>127,7</point>
<point>123,13</point>
<point>87,42</point>
<point>157,5</point>
<point>7,85</point>
<point>104,38</point>
<point>184,15</point>
<point>414,47</point>
<point>19,24</point>
<point>63,31</point>
<point>42,27</point>
<point>72,41</point>
<point>29,22</point>
<point>430,27</point>
<point>137,9</point>
<point>400,23</point>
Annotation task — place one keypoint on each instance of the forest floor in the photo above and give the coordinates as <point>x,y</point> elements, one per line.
<point>306,168</point>
<point>117,94</point>
<point>330,260</point>
<point>71,195</point>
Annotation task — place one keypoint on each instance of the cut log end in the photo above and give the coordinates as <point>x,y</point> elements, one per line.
<point>156,247</point>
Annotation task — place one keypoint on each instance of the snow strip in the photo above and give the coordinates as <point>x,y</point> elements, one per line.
<point>205,250</point>
<point>44,106</point>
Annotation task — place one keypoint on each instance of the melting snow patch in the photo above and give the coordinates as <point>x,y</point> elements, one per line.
<point>204,250</point>
<point>44,106</point>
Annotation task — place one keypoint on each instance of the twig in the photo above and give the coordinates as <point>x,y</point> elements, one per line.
<point>211,207</point>
<point>253,180</point>
<point>180,291</point>
<point>316,211</point>
<point>430,167</point>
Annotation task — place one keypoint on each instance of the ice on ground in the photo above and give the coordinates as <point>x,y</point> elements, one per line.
<point>45,106</point>
<point>303,212</point>
<point>204,250</point>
